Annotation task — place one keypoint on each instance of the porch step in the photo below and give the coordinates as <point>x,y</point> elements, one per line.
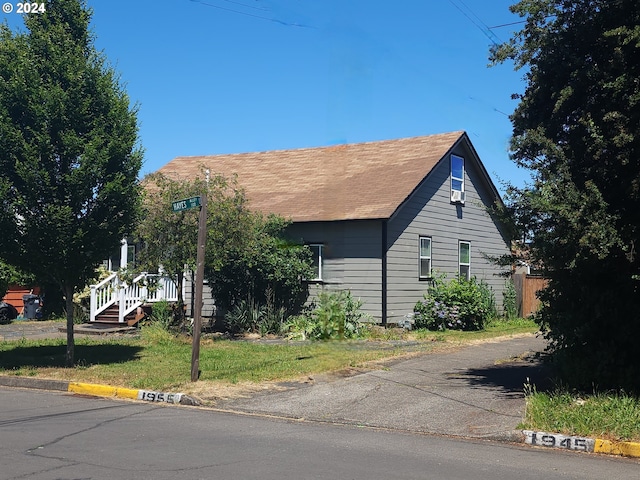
<point>111,316</point>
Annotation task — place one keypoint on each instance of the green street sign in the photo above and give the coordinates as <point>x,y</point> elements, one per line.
<point>186,204</point>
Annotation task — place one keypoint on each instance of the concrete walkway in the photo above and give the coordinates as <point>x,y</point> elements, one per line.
<point>36,330</point>
<point>475,391</point>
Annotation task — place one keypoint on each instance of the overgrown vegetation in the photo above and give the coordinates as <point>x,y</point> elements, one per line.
<point>612,416</point>
<point>249,317</point>
<point>577,130</point>
<point>509,300</point>
<point>252,260</point>
<point>334,315</point>
<point>455,305</point>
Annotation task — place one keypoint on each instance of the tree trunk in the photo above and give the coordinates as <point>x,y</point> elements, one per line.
<point>69,359</point>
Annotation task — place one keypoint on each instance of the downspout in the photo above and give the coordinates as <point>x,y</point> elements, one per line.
<point>384,272</point>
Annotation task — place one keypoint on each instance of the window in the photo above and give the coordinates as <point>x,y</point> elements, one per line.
<point>464,260</point>
<point>457,179</point>
<point>131,255</point>
<point>316,251</point>
<point>424,266</point>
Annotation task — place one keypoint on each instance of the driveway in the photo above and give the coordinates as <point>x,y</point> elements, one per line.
<point>474,391</point>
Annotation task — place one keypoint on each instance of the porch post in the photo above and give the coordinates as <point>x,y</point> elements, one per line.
<point>93,302</point>
<point>124,252</point>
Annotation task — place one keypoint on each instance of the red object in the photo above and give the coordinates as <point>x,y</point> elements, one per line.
<point>15,293</point>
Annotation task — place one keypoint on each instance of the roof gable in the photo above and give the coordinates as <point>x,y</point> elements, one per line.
<point>343,182</point>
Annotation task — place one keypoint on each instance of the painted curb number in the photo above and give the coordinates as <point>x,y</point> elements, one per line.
<point>150,396</point>
<point>553,440</point>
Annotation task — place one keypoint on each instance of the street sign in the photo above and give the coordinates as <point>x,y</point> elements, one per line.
<point>186,204</point>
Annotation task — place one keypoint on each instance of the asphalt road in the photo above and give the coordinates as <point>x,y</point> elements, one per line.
<point>46,435</point>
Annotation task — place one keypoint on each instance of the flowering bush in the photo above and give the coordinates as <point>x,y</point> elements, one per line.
<point>457,305</point>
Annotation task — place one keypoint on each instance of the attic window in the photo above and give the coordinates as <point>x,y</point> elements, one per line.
<point>457,179</point>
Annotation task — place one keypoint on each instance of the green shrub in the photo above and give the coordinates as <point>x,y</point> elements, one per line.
<point>162,314</point>
<point>509,300</point>
<point>245,316</point>
<point>299,327</point>
<point>250,317</point>
<point>336,315</point>
<point>456,305</point>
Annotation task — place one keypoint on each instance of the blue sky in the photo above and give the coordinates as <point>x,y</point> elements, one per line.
<point>223,76</point>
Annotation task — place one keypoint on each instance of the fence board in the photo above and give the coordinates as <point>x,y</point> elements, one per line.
<point>526,288</point>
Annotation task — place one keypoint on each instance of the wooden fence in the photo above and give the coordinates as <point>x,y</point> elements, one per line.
<point>526,288</point>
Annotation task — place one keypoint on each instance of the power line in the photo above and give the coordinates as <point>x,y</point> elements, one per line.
<point>245,5</point>
<point>481,26</point>
<point>239,12</point>
<point>508,24</point>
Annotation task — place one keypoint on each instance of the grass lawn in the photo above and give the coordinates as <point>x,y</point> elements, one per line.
<point>157,360</point>
<point>610,416</point>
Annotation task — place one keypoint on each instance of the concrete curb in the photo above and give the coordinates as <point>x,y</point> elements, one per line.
<point>584,444</point>
<point>99,390</point>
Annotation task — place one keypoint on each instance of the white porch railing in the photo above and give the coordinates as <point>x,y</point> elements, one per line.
<point>145,288</point>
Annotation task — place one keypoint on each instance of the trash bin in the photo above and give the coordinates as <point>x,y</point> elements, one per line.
<point>31,306</point>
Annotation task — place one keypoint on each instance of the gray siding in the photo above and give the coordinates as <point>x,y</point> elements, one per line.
<point>208,303</point>
<point>429,212</point>
<point>351,258</point>
<point>352,253</point>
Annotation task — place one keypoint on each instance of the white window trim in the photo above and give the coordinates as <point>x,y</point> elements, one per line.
<point>457,195</point>
<point>421,257</point>
<point>320,262</point>
<point>460,264</point>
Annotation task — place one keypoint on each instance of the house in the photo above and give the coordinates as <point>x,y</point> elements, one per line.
<point>382,218</point>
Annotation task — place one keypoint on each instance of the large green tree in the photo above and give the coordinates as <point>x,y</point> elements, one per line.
<point>69,153</point>
<point>261,266</point>
<point>248,256</point>
<point>169,238</point>
<point>577,129</point>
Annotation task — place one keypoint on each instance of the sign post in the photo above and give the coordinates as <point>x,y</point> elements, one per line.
<point>178,206</point>
<point>197,316</point>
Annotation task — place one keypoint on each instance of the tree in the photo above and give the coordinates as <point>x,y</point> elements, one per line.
<point>261,266</point>
<point>247,255</point>
<point>577,129</point>
<point>10,275</point>
<point>169,238</point>
<point>69,151</point>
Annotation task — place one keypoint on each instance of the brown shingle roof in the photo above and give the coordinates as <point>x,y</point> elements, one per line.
<point>343,182</point>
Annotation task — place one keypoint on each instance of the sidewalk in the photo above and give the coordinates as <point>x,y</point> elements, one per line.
<point>33,330</point>
<point>37,330</point>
